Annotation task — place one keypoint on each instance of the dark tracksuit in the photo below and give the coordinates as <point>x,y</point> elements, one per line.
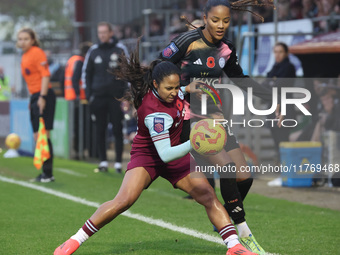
<point>284,69</point>
<point>102,91</point>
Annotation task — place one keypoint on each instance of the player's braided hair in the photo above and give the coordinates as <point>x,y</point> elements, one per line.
<point>240,5</point>
<point>142,77</point>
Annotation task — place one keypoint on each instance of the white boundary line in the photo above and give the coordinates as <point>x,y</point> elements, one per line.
<point>151,221</point>
<point>69,172</point>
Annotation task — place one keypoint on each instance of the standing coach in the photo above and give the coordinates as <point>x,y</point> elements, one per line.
<point>102,91</point>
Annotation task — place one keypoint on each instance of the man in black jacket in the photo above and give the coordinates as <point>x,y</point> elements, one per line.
<point>102,91</point>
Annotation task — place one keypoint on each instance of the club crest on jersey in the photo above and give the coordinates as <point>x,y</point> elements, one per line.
<point>169,51</point>
<point>158,124</point>
<point>221,62</point>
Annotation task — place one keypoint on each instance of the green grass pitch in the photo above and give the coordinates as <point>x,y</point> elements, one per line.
<point>33,222</point>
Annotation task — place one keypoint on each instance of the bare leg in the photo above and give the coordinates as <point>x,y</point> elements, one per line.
<point>199,188</point>
<point>135,180</point>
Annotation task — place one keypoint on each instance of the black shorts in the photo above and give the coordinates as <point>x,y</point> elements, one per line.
<point>232,142</point>
<point>48,113</point>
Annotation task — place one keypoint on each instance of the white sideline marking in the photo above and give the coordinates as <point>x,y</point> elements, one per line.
<point>70,172</point>
<point>151,221</point>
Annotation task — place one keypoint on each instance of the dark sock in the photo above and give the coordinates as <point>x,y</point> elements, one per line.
<point>232,197</point>
<point>48,164</point>
<point>244,187</point>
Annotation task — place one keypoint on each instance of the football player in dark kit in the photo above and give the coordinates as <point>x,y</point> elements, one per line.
<point>204,54</point>
<point>157,151</point>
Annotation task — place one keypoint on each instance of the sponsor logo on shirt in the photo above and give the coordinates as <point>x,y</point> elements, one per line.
<point>27,71</point>
<point>113,61</point>
<point>169,51</point>
<point>158,124</point>
<point>198,62</point>
<point>98,60</point>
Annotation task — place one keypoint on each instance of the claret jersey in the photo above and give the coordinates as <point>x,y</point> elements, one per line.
<point>158,120</point>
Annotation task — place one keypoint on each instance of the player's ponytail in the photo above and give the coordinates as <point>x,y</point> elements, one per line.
<point>141,77</point>
<point>132,71</point>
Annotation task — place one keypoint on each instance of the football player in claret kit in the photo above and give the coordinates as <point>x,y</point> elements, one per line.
<point>156,151</point>
<point>204,54</point>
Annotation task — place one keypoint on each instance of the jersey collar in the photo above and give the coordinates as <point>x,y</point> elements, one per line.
<point>155,93</point>
<point>205,39</point>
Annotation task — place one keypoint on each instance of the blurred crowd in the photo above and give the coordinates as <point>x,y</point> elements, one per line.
<point>299,9</point>
<point>192,9</point>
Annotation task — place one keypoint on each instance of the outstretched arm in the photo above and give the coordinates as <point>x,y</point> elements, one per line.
<point>159,124</point>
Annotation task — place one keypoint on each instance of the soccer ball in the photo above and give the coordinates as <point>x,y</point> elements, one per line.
<point>207,139</point>
<point>13,141</point>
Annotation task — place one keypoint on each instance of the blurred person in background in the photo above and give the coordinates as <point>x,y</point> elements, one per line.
<point>309,9</point>
<point>118,32</point>
<point>57,72</point>
<point>5,88</point>
<point>296,10</point>
<point>283,12</point>
<point>34,68</point>
<point>282,68</point>
<point>327,8</point>
<point>73,87</point>
<point>330,115</point>
<point>156,27</point>
<point>103,90</point>
<point>326,115</point>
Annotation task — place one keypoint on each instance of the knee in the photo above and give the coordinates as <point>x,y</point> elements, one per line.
<point>204,195</point>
